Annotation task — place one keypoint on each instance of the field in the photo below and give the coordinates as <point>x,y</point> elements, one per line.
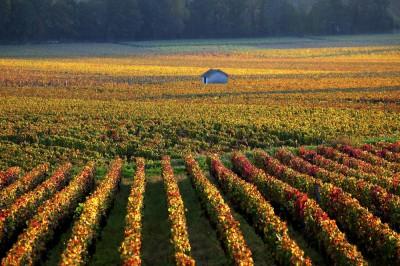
<point>63,106</point>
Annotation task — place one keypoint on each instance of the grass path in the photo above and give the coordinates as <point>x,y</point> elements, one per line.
<point>106,251</point>
<point>156,248</point>
<point>206,248</point>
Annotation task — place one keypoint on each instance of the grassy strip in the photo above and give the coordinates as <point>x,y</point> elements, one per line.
<point>106,251</point>
<point>204,243</point>
<point>156,227</point>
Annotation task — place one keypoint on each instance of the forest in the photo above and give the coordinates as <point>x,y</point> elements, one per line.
<point>119,20</point>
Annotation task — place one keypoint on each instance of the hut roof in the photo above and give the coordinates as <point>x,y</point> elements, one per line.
<point>213,71</point>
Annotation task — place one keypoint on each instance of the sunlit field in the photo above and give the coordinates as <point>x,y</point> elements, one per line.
<point>147,99</point>
<point>75,118</point>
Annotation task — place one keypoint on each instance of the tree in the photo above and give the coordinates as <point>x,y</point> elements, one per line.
<point>195,26</point>
<point>279,17</point>
<point>63,19</point>
<point>91,19</point>
<point>123,19</point>
<point>216,18</point>
<point>42,19</point>
<point>114,20</point>
<point>370,15</point>
<point>178,13</point>
<point>163,18</point>
<point>329,17</point>
<point>5,13</point>
<point>251,17</point>
<point>22,20</point>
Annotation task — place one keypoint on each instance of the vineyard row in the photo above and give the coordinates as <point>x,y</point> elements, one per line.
<point>334,194</point>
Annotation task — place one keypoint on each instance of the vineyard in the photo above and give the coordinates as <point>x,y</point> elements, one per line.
<point>329,205</point>
<point>118,154</point>
<point>93,102</point>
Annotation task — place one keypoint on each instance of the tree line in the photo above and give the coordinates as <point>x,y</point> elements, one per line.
<point>112,20</point>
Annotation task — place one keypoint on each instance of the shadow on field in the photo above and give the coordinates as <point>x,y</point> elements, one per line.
<point>156,247</point>
<point>53,253</point>
<point>206,248</point>
<point>106,250</point>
